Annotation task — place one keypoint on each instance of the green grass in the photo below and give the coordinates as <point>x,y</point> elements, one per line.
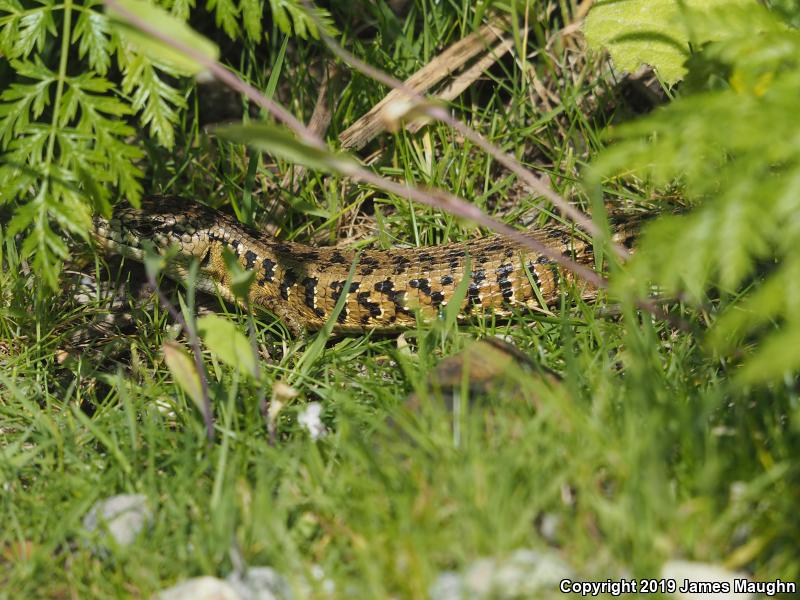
<point>643,450</point>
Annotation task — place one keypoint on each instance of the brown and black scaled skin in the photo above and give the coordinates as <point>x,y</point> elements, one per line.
<point>301,284</point>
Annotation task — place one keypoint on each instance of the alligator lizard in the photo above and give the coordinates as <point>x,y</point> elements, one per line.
<point>301,284</point>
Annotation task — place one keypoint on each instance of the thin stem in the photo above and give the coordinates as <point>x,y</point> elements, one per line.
<point>194,342</point>
<point>62,77</point>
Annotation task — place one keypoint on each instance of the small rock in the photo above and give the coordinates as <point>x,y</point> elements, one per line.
<point>549,526</point>
<point>524,574</point>
<point>448,586</point>
<point>200,588</point>
<point>693,572</point>
<point>123,517</point>
<point>260,583</point>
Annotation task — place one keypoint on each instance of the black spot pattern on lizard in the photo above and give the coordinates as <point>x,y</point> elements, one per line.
<point>337,287</point>
<point>250,258</point>
<point>423,285</point>
<point>310,285</point>
<point>473,294</point>
<point>456,254</point>
<point>446,280</point>
<point>368,265</point>
<point>308,256</point>
<point>289,279</point>
<point>374,308</point>
<point>267,271</point>
<point>532,271</point>
<point>401,264</point>
<point>493,247</point>
<point>385,287</point>
<point>398,299</point>
<point>437,298</point>
<point>282,248</point>
<point>338,258</point>
<point>503,271</point>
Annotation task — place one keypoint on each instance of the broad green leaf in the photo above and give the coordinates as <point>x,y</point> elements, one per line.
<point>184,372</point>
<point>648,32</point>
<point>227,342</point>
<point>279,142</point>
<point>170,27</point>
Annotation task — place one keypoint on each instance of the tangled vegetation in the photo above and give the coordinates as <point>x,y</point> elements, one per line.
<point>660,423</point>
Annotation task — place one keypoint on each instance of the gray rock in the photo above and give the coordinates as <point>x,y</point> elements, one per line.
<point>524,574</point>
<point>122,517</point>
<point>200,588</point>
<point>448,586</point>
<point>260,583</point>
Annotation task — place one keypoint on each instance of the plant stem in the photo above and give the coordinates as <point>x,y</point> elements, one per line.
<point>62,77</point>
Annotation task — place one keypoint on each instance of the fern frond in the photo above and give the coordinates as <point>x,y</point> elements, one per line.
<point>733,141</point>
<point>94,39</point>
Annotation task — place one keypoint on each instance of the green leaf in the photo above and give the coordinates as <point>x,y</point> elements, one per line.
<point>459,293</point>
<point>289,14</point>
<point>98,195</point>
<point>649,32</point>
<point>92,34</point>
<point>227,342</point>
<point>167,25</point>
<point>184,372</point>
<point>778,356</point>
<point>280,142</point>
<point>34,27</point>
<point>226,16</point>
<point>240,279</point>
<point>716,146</point>
<point>154,97</point>
<point>252,11</point>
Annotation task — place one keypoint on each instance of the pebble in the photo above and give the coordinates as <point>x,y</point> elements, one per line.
<point>523,574</point>
<point>260,583</point>
<point>200,588</point>
<point>121,517</point>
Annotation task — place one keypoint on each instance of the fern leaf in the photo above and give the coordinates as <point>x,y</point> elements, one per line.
<point>251,17</point>
<point>732,141</point>
<point>226,15</point>
<point>155,99</point>
<point>93,37</point>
